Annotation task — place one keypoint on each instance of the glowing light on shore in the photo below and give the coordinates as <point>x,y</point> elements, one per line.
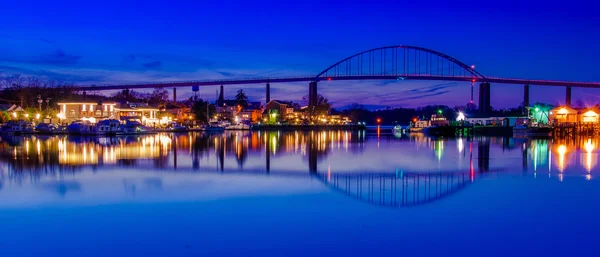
<point>461,116</point>
<point>562,150</point>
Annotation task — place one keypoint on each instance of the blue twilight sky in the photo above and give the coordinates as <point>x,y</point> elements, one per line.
<point>112,42</point>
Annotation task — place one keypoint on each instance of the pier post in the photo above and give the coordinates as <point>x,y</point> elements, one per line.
<point>268,153</point>
<point>484,98</point>
<point>524,156</point>
<point>221,97</point>
<point>526,96</point>
<point>313,152</point>
<point>174,95</point>
<point>568,96</point>
<point>268,92</point>
<point>312,97</point>
<point>174,148</point>
<point>483,155</point>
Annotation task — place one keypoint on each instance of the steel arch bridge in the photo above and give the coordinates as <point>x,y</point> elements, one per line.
<point>400,62</point>
<point>384,63</point>
<point>390,62</point>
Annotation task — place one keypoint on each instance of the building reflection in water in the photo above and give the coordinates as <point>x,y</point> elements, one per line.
<point>54,154</point>
<point>65,152</point>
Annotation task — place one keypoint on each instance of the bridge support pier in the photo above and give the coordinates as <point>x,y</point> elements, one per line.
<point>312,97</point>
<point>485,106</point>
<point>174,95</point>
<point>483,155</point>
<point>268,92</point>
<point>221,97</point>
<point>268,152</point>
<point>568,96</point>
<point>526,96</point>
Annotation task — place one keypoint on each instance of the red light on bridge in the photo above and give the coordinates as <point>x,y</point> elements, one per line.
<point>328,78</point>
<point>472,66</point>
<point>378,120</point>
<point>473,80</point>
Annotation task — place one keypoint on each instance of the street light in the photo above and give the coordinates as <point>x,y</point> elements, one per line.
<point>40,101</point>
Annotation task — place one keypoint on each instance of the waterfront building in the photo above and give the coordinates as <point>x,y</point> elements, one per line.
<point>144,113</point>
<point>226,109</point>
<point>72,111</point>
<point>179,112</point>
<point>277,111</point>
<point>564,114</point>
<point>589,116</point>
<point>94,111</point>
<point>14,111</point>
<point>251,113</point>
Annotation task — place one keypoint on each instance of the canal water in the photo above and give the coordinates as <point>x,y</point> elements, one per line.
<point>334,193</point>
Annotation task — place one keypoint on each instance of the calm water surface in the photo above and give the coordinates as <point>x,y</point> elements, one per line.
<point>298,194</point>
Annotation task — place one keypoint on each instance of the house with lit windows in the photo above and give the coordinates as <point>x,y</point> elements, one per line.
<point>94,111</point>
<point>565,114</point>
<point>72,111</point>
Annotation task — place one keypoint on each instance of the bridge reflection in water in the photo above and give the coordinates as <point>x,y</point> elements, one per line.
<point>400,189</point>
<point>45,160</point>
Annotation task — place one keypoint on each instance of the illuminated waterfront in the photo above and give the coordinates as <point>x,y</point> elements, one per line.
<point>94,187</point>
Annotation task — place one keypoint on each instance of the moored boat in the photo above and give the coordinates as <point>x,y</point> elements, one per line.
<point>17,127</point>
<point>81,127</point>
<point>132,127</point>
<point>239,126</point>
<point>401,129</point>
<point>46,128</point>
<point>532,131</point>
<point>108,127</point>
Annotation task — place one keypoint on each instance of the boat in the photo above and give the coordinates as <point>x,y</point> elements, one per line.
<point>108,127</point>
<point>439,131</point>
<point>400,129</point>
<point>239,126</point>
<point>213,128</point>
<point>436,125</point>
<point>133,127</point>
<point>532,131</point>
<point>180,128</point>
<point>17,127</point>
<point>46,128</point>
<point>81,127</point>
<point>418,126</point>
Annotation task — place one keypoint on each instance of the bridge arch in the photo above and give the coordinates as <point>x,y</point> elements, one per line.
<point>400,62</point>
<point>397,190</point>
